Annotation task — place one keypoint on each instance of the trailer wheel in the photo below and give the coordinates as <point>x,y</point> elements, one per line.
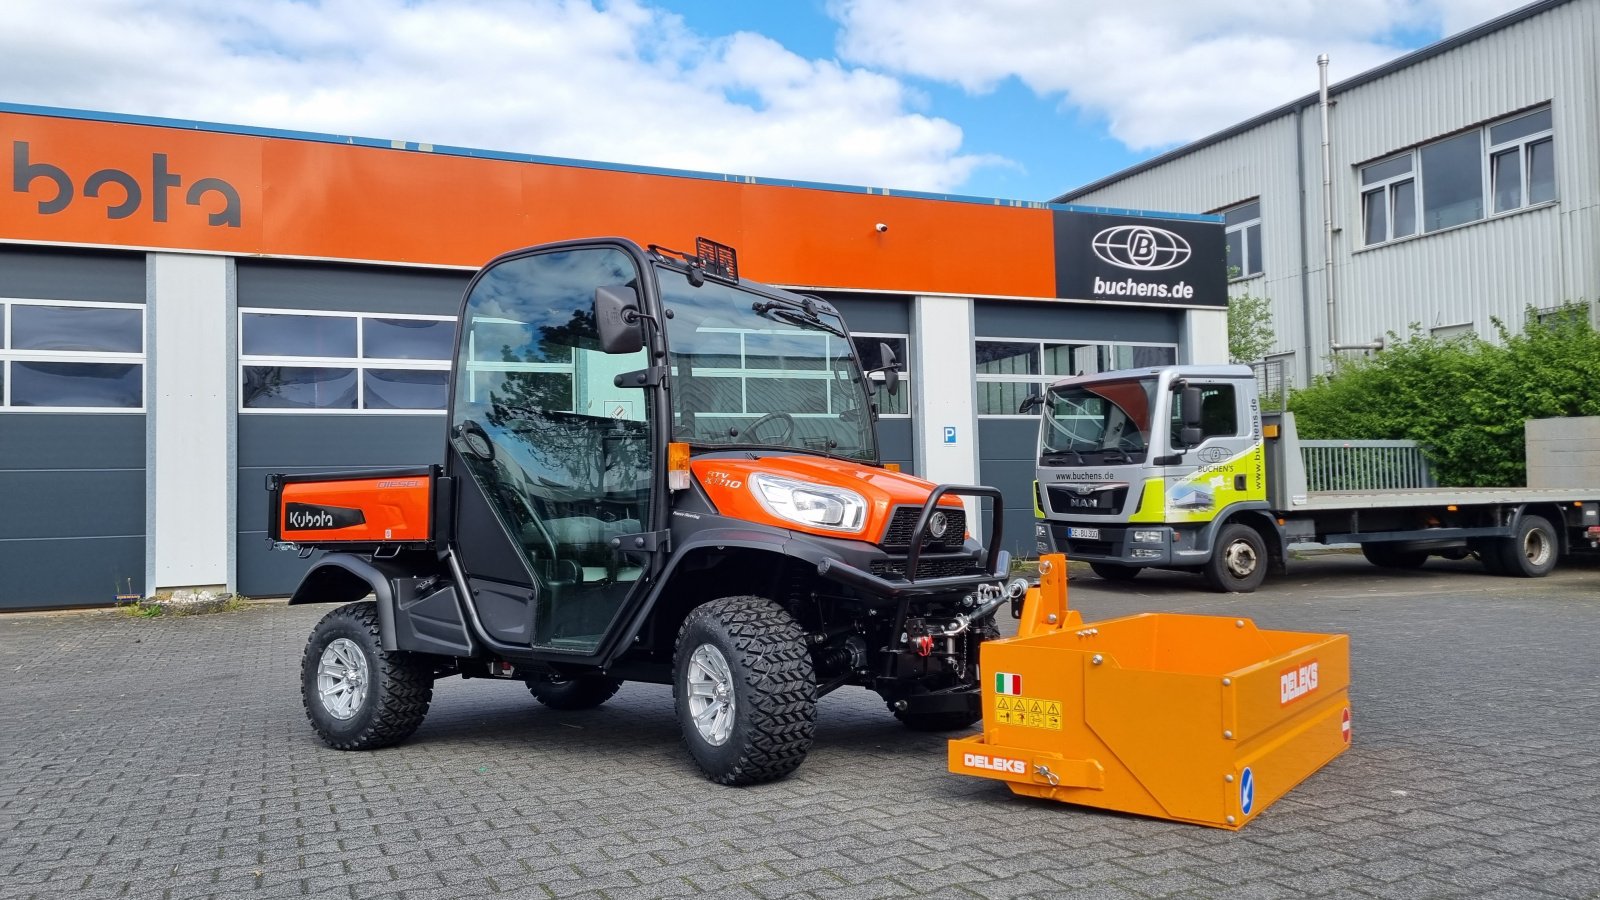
<point>584,691</point>
<point>1239,563</point>
<point>358,695</point>
<point>1114,572</point>
<point>744,690</point>
<point>1533,552</point>
<point>1391,556</point>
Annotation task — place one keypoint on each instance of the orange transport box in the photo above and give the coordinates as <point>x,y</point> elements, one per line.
<point>375,507</point>
<point>1202,719</point>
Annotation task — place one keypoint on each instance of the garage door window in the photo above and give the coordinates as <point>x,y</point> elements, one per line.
<point>71,356</point>
<point>307,361</point>
<point>1011,370</point>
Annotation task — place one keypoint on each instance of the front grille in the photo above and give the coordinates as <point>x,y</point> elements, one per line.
<point>1108,544</point>
<point>904,521</point>
<point>1107,501</point>
<point>926,568</point>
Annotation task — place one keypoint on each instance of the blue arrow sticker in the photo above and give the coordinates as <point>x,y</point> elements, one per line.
<point>1247,791</point>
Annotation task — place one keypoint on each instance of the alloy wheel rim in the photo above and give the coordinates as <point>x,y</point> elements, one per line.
<point>709,684</point>
<point>343,678</point>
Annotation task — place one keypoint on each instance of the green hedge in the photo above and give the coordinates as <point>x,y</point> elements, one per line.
<point>1464,399</point>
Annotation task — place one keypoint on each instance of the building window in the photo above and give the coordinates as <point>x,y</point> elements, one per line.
<point>866,344</point>
<point>1009,370</point>
<point>1243,227</point>
<point>305,361</point>
<point>71,356</point>
<point>1511,162</point>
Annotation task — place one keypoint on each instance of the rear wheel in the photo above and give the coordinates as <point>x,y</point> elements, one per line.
<point>584,691</point>
<point>1239,562</point>
<point>358,695</point>
<point>1114,571</point>
<point>744,690</point>
<point>1533,551</point>
<point>1393,556</point>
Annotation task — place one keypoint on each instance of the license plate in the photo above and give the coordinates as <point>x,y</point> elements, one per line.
<point>1088,534</point>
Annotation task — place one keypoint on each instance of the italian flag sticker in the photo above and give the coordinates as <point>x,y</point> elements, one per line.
<point>1006,683</point>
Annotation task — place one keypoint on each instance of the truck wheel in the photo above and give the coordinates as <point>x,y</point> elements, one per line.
<point>744,689</point>
<point>1533,552</point>
<point>1239,563</point>
<point>1390,556</point>
<point>584,691</point>
<point>1114,572</point>
<point>358,695</point>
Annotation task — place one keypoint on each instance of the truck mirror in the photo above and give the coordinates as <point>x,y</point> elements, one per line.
<point>1189,402</point>
<point>891,368</point>
<point>1031,403</point>
<point>617,319</point>
<point>1190,435</point>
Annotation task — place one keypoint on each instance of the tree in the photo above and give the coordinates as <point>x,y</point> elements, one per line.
<point>1250,333</point>
<point>1464,399</point>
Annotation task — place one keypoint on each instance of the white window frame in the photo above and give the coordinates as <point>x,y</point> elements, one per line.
<point>359,363</point>
<point>744,373</point>
<point>1042,380</point>
<point>8,356</point>
<point>1487,153</point>
<point>878,379</point>
<point>1240,232</point>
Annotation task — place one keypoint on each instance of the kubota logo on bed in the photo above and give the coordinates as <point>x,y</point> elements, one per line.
<point>994,763</point>
<point>305,517</point>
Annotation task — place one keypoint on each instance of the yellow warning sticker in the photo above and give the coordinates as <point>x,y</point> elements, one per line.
<point>1028,712</point>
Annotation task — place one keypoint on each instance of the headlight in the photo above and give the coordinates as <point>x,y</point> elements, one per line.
<point>1147,537</point>
<point>810,504</point>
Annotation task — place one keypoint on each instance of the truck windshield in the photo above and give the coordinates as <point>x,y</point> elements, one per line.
<point>1102,423</point>
<point>751,371</point>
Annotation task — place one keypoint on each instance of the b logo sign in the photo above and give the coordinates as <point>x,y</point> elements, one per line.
<point>1143,248</point>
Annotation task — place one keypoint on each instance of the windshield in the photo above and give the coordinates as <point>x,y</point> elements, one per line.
<point>751,371</point>
<point>1102,423</point>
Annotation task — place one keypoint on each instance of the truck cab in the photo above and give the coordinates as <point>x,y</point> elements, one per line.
<point>1161,467</point>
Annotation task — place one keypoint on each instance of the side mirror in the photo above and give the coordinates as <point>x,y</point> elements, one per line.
<point>1033,402</point>
<point>617,319</point>
<point>891,368</point>
<point>1190,434</point>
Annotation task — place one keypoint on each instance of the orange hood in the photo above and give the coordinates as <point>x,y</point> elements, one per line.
<point>727,483</point>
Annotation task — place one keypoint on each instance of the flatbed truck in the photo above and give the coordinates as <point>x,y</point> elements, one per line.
<point>1178,467</point>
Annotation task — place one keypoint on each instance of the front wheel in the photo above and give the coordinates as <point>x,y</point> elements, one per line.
<point>1239,562</point>
<point>358,695</point>
<point>744,690</point>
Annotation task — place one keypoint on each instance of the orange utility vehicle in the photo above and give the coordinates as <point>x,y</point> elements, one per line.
<point>654,471</point>
<point>1202,719</point>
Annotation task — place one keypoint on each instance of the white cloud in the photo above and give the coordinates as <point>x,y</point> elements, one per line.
<point>623,82</point>
<point>1159,72</point>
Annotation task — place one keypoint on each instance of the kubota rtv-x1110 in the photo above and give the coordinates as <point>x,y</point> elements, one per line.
<point>653,471</point>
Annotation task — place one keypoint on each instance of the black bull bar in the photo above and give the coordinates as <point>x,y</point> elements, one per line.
<point>996,562</point>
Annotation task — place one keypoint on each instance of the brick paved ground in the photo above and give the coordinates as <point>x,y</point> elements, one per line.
<point>171,759</point>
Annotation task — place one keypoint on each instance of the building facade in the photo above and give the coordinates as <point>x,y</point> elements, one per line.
<point>1464,181</point>
<point>186,307</point>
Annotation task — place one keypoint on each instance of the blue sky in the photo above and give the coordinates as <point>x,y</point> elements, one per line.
<point>1020,99</point>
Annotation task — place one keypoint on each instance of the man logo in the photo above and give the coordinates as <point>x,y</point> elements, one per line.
<point>1141,247</point>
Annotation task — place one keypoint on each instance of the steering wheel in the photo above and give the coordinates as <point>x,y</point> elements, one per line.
<point>785,418</point>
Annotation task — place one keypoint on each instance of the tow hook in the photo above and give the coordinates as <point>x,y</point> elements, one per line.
<point>923,644</point>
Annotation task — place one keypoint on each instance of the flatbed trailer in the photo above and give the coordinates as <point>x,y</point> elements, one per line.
<point>1178,468</point>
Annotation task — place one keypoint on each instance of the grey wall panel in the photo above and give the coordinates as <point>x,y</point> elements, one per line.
<point>42,503</point>
<point>282,285</point>
<point>1007,448</point>
<point>43,574</point>
<point>873,312</point>
<point>264,572</point>
<point>1076,321</point>
<point>340,440</point>
<point>71,441</point>
<point>49,273</point>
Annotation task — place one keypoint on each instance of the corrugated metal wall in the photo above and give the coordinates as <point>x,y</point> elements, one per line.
<point>1491,268</point>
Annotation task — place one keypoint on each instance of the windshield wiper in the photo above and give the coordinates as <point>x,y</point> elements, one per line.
<point>1059,454</point>
<point>772,309</point>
